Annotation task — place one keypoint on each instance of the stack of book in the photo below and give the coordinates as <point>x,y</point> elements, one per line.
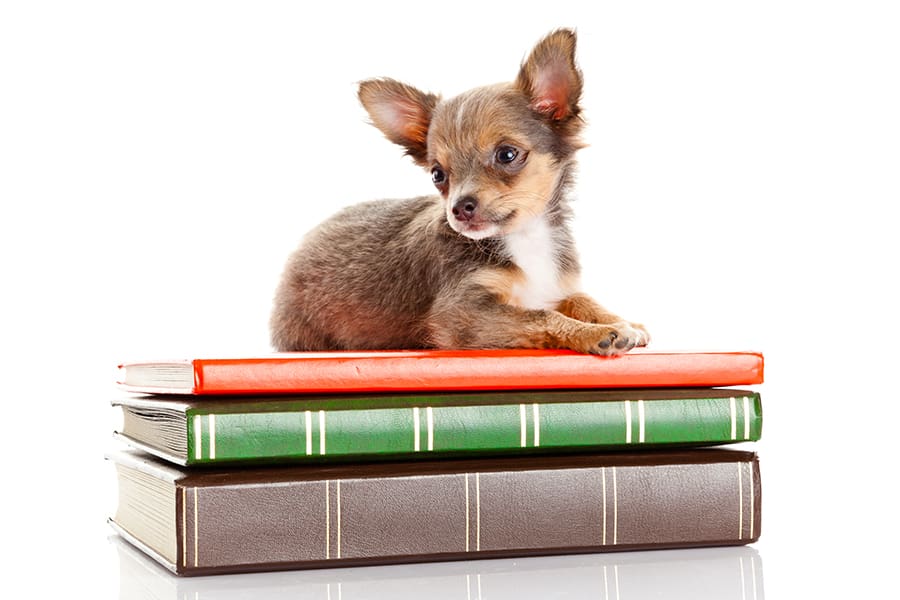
<point>348,458</point>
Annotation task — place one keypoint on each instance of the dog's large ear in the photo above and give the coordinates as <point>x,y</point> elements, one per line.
<point>550,78</point>
<point>401,112</point>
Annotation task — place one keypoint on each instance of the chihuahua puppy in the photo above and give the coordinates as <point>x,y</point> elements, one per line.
<point>489,262</point>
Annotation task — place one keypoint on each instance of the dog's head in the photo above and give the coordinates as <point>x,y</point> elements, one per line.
<point>497,154</point>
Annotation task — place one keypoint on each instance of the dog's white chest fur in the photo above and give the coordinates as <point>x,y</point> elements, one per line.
<point>532,249</point>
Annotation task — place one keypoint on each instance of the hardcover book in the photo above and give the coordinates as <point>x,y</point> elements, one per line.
<point>376,426</point>
<point>446,370</point>
<point>205,521</point>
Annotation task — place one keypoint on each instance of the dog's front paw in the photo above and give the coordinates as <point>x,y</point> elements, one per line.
<point>635,331</point>
<point>611,340</point>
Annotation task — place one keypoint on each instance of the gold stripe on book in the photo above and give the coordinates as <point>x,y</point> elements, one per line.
<point>322,432</point>
<point>750,466</point>
<point>429,418</point>
<point>416,432</point>
<point>339,518</point>
<point>198,437</point>
<point>308,415</point>
<point>212,437</point>
<point>327,520</point>
<point>603,478</point>
<point>615,508</point>
<point>467,512</point>
<point>196,528</point>
<point>183,527</point>
<point>477,512</point>
<point>537,425</point>
<point>740,468</point>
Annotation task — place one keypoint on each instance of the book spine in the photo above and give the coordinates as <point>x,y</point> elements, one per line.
<point>473,370</point>
<point>230,528</point>
<point>425,429</point>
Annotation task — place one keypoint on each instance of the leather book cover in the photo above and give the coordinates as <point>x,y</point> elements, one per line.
<point>277,518</point>
<point>423,370</point>
<point>316,428</point>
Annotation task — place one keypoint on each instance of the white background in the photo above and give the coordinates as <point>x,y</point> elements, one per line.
<point>158,162</point>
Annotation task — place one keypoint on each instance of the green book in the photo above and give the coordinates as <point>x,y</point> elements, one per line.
<point>376,427</point>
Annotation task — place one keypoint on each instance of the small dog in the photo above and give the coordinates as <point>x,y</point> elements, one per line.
<point>490,261</point>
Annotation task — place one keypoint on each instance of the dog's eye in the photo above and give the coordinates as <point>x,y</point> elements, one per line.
<point>438,177</point>
<point>506,154</point>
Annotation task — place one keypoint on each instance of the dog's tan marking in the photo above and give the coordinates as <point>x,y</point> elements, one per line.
<point>539,175</point>
<point>532,188</point>
<point>584,308</point>
<point>500,283</point>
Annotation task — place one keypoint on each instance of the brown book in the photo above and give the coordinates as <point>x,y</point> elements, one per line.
<point>224,521</point>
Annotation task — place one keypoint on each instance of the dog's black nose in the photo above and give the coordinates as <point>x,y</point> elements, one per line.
<point>464,208</point>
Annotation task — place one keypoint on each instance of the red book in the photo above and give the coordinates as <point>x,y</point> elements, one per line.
<point>440,370</point>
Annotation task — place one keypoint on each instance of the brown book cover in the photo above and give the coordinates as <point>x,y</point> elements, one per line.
<point>224,521</point>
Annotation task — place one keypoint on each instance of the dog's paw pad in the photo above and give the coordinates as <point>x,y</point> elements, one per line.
<point>638,333</point>
<point>610,340</point>
<point>607,342</point>
<point>619,338</point>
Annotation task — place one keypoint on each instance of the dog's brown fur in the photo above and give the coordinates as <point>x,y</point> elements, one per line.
<point>490,262</point>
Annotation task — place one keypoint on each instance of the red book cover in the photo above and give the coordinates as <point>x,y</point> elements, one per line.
<point>440,370</point>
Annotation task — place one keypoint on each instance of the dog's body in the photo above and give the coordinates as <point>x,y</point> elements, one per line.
<point>490,263</point>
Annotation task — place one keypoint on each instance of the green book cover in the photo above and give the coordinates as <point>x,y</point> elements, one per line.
<point>407,426</point>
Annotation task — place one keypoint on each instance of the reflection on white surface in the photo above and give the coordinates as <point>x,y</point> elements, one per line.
<point>730,573</point>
